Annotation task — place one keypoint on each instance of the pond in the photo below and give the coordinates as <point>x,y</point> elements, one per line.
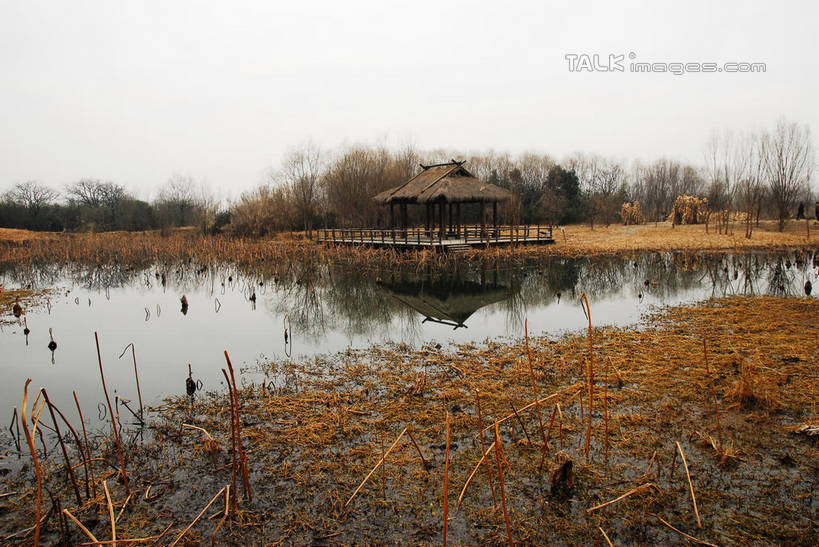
<point>329,308</point>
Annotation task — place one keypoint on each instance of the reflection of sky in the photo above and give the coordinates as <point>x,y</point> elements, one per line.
<point>324,320</point>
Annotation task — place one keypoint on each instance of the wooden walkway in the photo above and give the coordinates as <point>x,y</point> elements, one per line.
<point>416,238</point>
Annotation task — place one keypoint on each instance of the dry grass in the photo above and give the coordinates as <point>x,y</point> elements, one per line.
<point>26,299</point>
<point>14,235</point>
<point>316,432</point>
<point>581,240</point>
<point>144,248</point>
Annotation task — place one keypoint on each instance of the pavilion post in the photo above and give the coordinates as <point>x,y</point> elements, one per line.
<point>405,220</point>
<point>495,219</point>
<point>441,221</point>
<point>483,220</point>
<point>458,219</point>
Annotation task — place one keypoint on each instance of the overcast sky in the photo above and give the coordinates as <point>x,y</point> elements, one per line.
<point>136,91</point>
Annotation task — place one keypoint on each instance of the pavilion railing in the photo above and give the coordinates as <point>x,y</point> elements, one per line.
<point>421,236</point>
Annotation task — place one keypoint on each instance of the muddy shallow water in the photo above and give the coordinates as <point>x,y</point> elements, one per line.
<point>330,309</point>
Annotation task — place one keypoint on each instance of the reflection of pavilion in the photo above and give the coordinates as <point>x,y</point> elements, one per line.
<point>446,303</point>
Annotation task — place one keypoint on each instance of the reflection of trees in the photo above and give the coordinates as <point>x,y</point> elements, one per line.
<point>515,308</point>
<point>36,277</point>
<point>780,278</point>
<point>303,302</point>
<point>601,277</point>
<point>320,296</point>
<point>102,277</point>
<point>561,274</point>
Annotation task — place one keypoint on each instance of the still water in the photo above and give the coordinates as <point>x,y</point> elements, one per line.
<point>328,309</point>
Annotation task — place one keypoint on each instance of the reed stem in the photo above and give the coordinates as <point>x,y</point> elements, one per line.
<point>62,447</point>
<point>37,471</point>
<point>500,480</point>
<point>690,485</point>
<point>534,388</point>
<point>713,390</point>
<point>87,456</point>
<point>589,375</point>
<point>111,413</point>
<point>606,408</point>
<point>483,449</point>
<point>136,375</point>
<point>232,441</point>
<point>242,455</point>
<point>446,479</point>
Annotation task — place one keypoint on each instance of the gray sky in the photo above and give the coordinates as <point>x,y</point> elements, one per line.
<point>135,91</point>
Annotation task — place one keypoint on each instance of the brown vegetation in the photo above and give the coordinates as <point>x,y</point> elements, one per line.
<point>22,297</point>
<point>630,213</point>
<point>318,430</point>
<point>689,210</point>
<point>143,248</point>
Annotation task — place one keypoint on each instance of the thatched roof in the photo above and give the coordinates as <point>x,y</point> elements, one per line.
<point>447,182</point>
<point>445,303</point>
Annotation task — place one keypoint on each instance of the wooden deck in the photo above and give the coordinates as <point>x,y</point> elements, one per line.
<point>415,238</point>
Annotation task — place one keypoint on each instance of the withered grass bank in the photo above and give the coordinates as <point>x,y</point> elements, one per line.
<point>314,430</point>
<point>143,248</point>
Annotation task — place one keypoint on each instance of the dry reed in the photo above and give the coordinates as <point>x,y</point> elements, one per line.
<point>500,482</point>
<point>111,414</point>
<point>589,374</point>
<point>87,456</point>
<point>545,446</point>
<point>37,471</point>
<point>690,485</point>
<point>483,448</point>
<point>242,456</point>
<point>377,465</point>
<point>136,375</point>
<point>446,481</point>
<point>68,466</point>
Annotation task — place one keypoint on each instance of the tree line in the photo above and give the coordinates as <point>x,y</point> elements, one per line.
<point>747,174</point>
<point>752,174</point>
<point>95,205</point>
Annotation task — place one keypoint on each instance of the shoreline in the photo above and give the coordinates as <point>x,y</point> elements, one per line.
<point>19,247</point>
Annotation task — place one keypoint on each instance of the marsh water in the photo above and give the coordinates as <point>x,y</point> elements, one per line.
<point>328,308</point>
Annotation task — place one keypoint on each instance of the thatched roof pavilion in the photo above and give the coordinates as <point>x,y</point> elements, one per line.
<point>444,184</point>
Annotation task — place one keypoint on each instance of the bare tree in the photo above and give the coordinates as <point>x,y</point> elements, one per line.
<point>301,173</point>
<point>532,172</point>
<point>656,189</point>
<point>111,195</point>
<point>788,162</point>
<point>359,173</point>
<point>206,206</point>
<point>106,197</point>
<point>177,204</point>
<point>32,195</point>
<point>727,163</point>
<point>749,190</point>
<point>85,192</point>
<point>658,185</point>
<point>262,211</point>
<point>601,181</point>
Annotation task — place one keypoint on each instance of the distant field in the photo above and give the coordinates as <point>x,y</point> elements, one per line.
<point>663,236</point>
